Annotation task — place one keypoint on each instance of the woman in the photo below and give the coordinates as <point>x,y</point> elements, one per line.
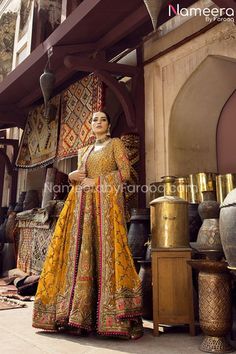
<point>89,280</point>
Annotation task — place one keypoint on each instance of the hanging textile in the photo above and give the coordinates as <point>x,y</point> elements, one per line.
<point>39,141</point>
<point>78,103</point>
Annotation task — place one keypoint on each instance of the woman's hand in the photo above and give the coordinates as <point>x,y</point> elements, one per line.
<point>88,183</point>
<point>76,176</point>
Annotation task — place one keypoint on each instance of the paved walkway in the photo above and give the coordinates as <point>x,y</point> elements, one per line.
<point>17,336</point>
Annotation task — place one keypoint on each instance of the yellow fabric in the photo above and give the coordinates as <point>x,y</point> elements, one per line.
<point>89,279</point>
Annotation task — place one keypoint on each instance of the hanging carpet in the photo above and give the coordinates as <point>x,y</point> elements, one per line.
<point>39,141</point>
<point>78,103</point>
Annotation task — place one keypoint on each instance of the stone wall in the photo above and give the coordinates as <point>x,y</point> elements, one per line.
<point>185,91</point>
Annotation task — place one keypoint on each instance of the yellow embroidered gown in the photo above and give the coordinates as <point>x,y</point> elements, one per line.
<point>88,279</point>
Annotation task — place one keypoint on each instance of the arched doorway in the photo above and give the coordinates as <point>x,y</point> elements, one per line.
<point>195,115</point>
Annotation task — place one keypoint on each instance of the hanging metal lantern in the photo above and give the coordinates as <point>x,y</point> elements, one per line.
<point>47,80</point>
<point>154,7</point>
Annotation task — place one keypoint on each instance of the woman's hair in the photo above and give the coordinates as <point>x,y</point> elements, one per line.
<point>107,115</point>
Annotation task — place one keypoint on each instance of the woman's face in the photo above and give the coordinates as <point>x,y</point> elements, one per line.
<point>100,123</point>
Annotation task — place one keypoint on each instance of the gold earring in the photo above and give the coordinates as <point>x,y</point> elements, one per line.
<point>108,132</point>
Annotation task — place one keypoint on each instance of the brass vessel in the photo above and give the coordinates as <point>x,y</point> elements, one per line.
<point>224,184</point>
<point>230,180</point>
<point>169,185</point>
<point>200,182</point>
<point>193,189</point>
<point>205,182</point>
<point>170,225</point>
<point>182,187</point>
<point>215,304</point>
<point>220,188</point>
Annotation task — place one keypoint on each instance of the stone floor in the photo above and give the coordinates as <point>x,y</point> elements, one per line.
<point>17,336</point>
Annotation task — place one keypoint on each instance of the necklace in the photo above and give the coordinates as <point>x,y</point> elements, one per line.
<point>101,141</point>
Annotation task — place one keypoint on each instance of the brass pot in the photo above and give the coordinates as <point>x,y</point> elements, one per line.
<point>169,185</point>
<point>170,227</point>
<point>224,184</point>
<point>220,188</point>
<point>215,304</point>
<point>205,182</point>
<point>182,187</point>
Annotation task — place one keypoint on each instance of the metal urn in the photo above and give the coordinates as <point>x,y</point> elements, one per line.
<point>208,240</point>
<point>154,7</point>
<point>215,304</point>
<point>170,227</point>
<point>47,80</point>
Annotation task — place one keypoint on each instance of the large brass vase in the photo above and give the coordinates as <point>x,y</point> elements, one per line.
<point>215,304</point>
<point>225,184</point>
<point>182,188</point>
<point>170,225</point>
<point>199,183</point>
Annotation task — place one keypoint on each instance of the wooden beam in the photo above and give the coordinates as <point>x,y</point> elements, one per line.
<point>74,48</point>
<point>13,142</point>
<point>12,117</point>
<point>39,56</point>
<point>90,65</point>
<point>128,25</point>
<point>181,42</point>
<point>122,95</point>
<point>79,14</point>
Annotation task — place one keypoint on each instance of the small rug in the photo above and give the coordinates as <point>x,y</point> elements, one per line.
<point>39,141</point>
<point>8,304</point>
<point>25,249</point>
<point>78,103</point>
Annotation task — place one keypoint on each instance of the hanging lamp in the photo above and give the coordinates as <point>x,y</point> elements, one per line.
<point>154,7</point>
<point>47,80</point>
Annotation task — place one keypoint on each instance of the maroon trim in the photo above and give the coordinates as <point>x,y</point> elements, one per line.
<point>100,257</point>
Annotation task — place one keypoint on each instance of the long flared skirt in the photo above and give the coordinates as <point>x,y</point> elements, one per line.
<point>88,279</point>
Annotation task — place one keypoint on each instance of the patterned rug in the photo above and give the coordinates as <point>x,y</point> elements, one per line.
<point>25,249</point>
<point>8,304</point>
<point>41,240</point>
<point>38,144</point>
<point>33,245</point>
<point>77,104</point>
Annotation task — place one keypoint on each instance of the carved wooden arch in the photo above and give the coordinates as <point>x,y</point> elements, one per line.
<point>104,71</point>
<point>122,95</point>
